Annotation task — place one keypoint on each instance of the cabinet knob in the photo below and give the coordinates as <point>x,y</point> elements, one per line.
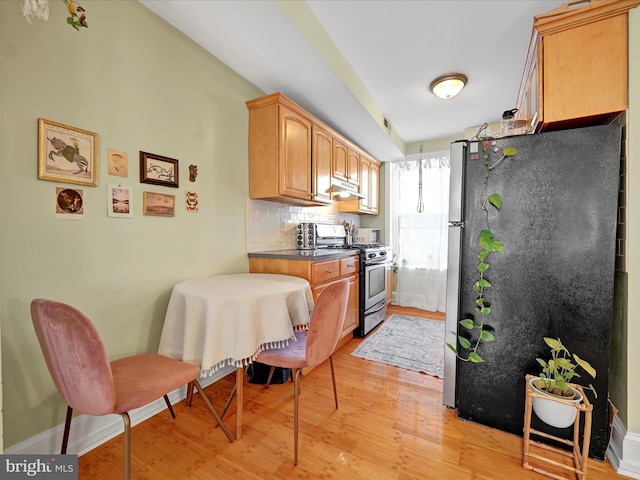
<point>330,270</point>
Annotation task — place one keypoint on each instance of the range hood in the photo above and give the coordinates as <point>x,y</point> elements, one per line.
<point>344,191</point>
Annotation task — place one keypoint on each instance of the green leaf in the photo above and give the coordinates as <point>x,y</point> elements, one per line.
<point>467,323</point>
<point>475,358</point>
<point>542,363</point>
<point>564,363</point>
<point>485,311</point>
<point>495,200</point>
<point>509,151</point>
<point>452,348</point>
<point>480,302</point>
<point>487,242</point>
<point>553,343</point>
<point>483,255</point>
<point>464,342</point>
<point>487,336</point>
<point>482,267</point>
<point>585,365</point>
<point>484,283</point>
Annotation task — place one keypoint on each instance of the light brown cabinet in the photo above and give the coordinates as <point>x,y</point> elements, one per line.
<point>346,163</point>
<point>322,152</point>
<point>320,275</point>
<point>293,157</point>
<point>369,188</point>
<point>280,154</point>
<point>576,67</point>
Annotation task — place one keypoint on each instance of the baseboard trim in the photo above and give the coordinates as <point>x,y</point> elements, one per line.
<point>624,450</point>
<point>89,432</point>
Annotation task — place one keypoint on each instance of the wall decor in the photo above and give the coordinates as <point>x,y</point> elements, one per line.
<point>159,204</point>
<point>192,201</point>
<point>120,201</point>
<point>117,163</point>
<point>69,202</point>
<point>67,154</point>
<point>158,170</point>
<point>193,172</point>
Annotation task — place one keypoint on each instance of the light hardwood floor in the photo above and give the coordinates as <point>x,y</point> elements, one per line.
<point>391,425</point>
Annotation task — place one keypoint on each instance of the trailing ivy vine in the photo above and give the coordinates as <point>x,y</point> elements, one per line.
<point>477,332</point>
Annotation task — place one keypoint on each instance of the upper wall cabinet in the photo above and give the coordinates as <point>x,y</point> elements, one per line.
<point>322,149</point>
<point>280,153</point>
<point>369,188</point>
<point>346,163</point>
<point>576,68</point>
<point>293,156</point>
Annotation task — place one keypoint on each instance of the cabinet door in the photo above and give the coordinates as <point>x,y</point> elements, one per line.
<point>353,167</point>
<point>374,186</point>
<point>295,154</point>
<point>340,160</point>
<point>351,317</point>
<point>365,171</point>
<point>585,70</point>
<point>321,165</point>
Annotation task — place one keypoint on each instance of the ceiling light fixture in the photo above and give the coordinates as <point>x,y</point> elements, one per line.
<point>449,85</point>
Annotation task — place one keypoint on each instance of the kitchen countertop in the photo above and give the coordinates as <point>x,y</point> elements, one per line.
<point>309,255</point>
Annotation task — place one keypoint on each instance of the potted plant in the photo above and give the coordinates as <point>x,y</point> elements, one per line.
<point>554,382</point>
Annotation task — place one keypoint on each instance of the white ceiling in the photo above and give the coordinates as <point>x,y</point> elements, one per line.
<point>353,62</point>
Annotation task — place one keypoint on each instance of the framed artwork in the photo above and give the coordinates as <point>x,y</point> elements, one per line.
<point>158,170</point>
<point>191,201</point>
<point>120,201</point>
<point>159,204</point>
<point>117,163</point>
<point>67,154</point>
<point>69,203</point>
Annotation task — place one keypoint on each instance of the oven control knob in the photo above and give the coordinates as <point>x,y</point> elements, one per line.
<point>371,255</point>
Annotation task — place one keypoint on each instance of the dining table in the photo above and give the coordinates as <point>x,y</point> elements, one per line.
<point>228,320</point>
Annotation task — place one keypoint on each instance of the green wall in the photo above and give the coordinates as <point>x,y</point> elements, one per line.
<point>141,85</point>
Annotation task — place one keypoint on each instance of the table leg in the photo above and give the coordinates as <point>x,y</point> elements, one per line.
<point>239,399</point>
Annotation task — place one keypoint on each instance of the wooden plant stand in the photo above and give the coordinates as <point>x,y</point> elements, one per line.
<point>577,454</point>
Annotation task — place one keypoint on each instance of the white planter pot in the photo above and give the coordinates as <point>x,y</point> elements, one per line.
<point>553,412</point>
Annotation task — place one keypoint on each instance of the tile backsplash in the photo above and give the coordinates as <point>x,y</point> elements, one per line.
<point>271,225</point>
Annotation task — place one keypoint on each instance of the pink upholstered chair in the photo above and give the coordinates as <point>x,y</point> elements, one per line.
<point>314,346</point>
<point>90,384</point>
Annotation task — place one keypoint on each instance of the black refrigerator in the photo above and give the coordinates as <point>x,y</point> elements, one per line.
<point>555,278</point>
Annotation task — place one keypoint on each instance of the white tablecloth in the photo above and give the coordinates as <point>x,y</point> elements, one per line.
<point>229,319</point>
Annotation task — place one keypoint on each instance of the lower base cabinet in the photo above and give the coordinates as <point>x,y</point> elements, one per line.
<point>320,275</point>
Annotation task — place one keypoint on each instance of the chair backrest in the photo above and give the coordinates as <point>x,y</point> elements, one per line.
<point>75,356</point>
<point>327,321</point>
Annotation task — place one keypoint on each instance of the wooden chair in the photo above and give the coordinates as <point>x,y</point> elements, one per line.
<point>90,384</point>
<point>314,346</point>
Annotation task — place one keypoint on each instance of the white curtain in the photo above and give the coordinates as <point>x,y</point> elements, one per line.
<point>419,239</point>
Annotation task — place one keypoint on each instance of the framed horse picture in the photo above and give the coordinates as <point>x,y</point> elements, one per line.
<point>67,154</point>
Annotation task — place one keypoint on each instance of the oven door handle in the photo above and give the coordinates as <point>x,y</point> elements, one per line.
<point>377,307</point>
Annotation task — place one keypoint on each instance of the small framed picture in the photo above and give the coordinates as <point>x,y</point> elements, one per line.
<point>118,163</point>
<point>159,204</point>
<point>120,201</point>
<point>67,154</point>
<point>158,170</point>
<point>69,203</point>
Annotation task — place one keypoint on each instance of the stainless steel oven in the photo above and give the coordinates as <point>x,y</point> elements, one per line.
<point>375,263</point>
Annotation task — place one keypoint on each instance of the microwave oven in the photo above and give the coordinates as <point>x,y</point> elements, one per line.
<point>367,236</point>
